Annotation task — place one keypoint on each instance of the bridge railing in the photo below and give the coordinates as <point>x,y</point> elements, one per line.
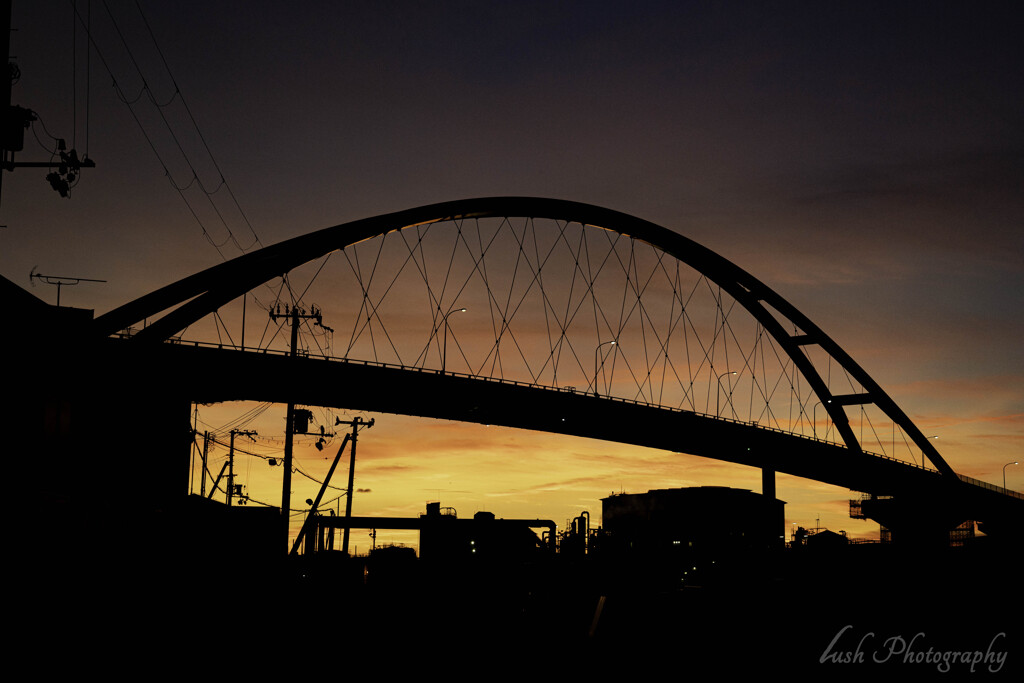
<point>567,389</point>
<point>991,487</point>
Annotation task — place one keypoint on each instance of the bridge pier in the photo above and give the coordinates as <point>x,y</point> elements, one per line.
<point>916,521</point>
<point>768,482</point>
<point>776,526</point>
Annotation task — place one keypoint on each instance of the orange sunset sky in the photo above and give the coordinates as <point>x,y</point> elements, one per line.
<point>864,161</point>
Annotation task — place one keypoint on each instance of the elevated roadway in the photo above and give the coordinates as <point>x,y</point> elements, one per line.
<point>209,374</point>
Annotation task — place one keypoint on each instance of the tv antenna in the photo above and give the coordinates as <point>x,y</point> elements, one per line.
<point>59,280</point>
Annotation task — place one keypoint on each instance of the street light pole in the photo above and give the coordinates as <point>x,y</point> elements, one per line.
<point>929,438</point>
<point>444,351</point>
<point>1004,471</point>
<point>814,415</point>
<point>596,352</point>
<point>718,394</point>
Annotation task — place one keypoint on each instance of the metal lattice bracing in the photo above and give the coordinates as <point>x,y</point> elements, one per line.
<point>563,295</point>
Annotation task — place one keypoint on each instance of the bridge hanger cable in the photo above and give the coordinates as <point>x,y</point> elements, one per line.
<point>611,282</point>
<point>220,324</point>
<point>504,328</point>
<point>436,298</point>
<point>544,299</point>
<point>437,312</point>
<point>479,270</point>
<point>372,311</point>
<point>555,345</point>
<point>575,251</point>
<point>614,283</point>
<point>577,273</point>
<point>263,342</point>
<point>632,295</point>
<point>537,282</point>
<point>438,316</point>
<point>677,327</point>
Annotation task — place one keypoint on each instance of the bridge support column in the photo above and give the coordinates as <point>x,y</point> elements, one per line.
<point>775,529</point>
<point>767,482</point>
<point>917,521</point>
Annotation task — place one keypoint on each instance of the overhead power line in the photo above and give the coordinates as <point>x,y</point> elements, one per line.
<point>180,187</point>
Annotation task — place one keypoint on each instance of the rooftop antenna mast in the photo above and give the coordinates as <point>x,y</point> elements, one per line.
<point>59,280</point>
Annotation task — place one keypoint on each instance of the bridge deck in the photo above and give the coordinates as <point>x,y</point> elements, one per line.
<point>258,376</point>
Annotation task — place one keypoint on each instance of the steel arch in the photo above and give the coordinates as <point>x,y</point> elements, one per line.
<point>205,292</point>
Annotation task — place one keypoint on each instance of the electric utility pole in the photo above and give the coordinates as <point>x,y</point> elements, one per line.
<point>202,471</point>
<point>356,424</point>
<point>295,314</point>
<point>231,461</point>
<point>15,120</point>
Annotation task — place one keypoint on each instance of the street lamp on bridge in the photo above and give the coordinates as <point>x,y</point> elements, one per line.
<point>814,418</point>
<point>444,350</point>
<point>1004,471</point>
<point>718,394</point>
<point>928,438</point>
<point>596,354</point>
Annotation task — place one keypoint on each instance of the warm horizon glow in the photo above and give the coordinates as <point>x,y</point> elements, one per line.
<point>404,462</point>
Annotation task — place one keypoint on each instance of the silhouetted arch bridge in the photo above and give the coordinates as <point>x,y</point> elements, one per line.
<point>578,320</point>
